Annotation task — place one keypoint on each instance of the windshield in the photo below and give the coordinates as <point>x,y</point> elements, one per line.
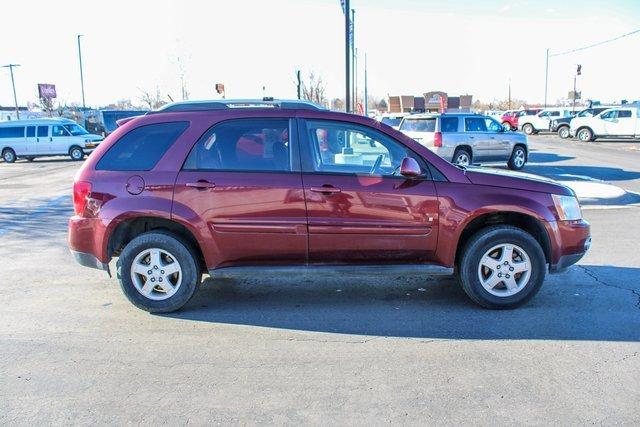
<point>391,121</point>
<point>76,130</point>
<point>419,125</point>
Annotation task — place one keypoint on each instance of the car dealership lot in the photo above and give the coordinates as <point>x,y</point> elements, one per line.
<point>284,350</point>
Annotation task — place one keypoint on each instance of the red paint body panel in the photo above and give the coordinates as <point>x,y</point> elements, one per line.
<point>275,218</point>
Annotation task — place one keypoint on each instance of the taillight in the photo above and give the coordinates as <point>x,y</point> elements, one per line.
<point>81,191</point>
<point>437,139</point>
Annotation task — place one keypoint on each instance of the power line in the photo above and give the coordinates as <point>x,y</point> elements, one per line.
<point>595,44</point>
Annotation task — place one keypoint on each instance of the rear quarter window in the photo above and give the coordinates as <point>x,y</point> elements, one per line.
<point>141,148</point>
<point>419,125</point>
<point>12,132</point>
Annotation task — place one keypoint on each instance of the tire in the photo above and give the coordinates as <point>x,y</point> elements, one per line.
<point>585,135</point>
<point>462,156</point>
<point>9,155</point>
<point>471,267</point>
<point>528,129</point>
<point>507,126</point>
<point>518,158</point>
<point>563,132</point>
<point>172,249</point>
<point>76,153</point>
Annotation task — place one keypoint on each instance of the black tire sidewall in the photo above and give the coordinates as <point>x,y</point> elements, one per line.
<point>588,131</point>
<point>457,152</point>
<point>482,242</point>
<point>511,163</point>
<point>183,254</point>
<point>527,129</point>
<point>563,131</point>
<point>9,150</point>
<point>76,148</point>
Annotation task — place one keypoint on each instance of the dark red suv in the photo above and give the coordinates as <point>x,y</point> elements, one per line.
<point>243,188</point>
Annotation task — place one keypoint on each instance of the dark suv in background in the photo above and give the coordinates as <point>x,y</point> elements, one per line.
<point>243,188</point>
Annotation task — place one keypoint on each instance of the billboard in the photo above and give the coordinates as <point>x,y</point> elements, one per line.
<point>46,90</point>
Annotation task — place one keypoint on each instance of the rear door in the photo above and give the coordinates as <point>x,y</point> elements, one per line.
<point>30,139</point>
<point>622,123</point>
<point>359,209</point>
<point>241,182</point>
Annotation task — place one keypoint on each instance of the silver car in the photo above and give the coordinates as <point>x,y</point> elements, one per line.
<point>465,138</point>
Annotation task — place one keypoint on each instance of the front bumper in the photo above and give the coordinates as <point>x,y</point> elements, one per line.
<point>573,240</point>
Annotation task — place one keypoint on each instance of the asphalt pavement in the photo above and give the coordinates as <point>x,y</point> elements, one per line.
<point>73,350</point>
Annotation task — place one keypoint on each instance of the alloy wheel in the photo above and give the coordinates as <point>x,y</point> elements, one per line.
<point>519,158</point>
<point>462,159</point>
<point>156,274</point>
<point>504,270</point>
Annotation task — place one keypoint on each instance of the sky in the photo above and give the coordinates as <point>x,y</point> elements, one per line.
<point>412,46</point>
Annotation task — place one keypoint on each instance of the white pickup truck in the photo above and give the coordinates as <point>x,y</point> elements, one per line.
<point>616,122</point>
<point>542,120</point>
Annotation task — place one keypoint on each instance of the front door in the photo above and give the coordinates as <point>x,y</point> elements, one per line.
<point>241,185</point>
<point>360,210</point>
<point>60,139</point>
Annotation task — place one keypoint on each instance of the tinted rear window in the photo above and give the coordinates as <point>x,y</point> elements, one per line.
<point>622,114</point>
<point>449,124</point>
<point>12,132</point>
<point>141,148</point>
<point>391,121</point>
<point>419,125</point>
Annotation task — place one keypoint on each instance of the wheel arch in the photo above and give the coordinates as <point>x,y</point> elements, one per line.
<point>128,229</point>
<point>523,221</point>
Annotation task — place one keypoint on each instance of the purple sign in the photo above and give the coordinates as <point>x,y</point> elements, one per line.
<point>46,90</point>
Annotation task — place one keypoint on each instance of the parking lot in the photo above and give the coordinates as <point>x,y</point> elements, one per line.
<point>73,350</point>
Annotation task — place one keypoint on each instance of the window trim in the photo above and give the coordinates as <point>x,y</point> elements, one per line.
<point>294,155</point>
<point>307,162</point>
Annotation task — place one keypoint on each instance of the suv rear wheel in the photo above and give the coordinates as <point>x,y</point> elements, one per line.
<point>158,272</point>
<point>502,267</point>
<point>528,129</point>
<point>462,156</point>
<point>585,135</point>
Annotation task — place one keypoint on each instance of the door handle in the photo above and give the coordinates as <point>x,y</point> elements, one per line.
<point>50,139</point>
<point>201,184</point>
<point>37,139</point>
<point>327,190</point>
<point>472,137</point>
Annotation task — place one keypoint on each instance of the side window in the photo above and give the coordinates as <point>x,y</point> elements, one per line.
<point>624,114</point>
<point>474,124</point>
<point>141,148</point>
<point>555,114</point>
<point>337,147</point>
<point>609,115</point>
<point>59,130</point>
<point>43,131</point>
<point>492,125</point>
<point>12,132</point>
<point>31,131</point>
<point>243,145</point>
<point>449,124</point>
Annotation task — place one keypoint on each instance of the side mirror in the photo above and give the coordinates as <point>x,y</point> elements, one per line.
<point>410,168</point>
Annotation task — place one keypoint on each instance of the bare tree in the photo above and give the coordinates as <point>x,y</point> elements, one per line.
<point>337,104</point>
<point>47,105</point>
<point>152,100</point>
<point>314,89</point>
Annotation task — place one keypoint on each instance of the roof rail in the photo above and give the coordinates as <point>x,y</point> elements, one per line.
<point>226,104</point>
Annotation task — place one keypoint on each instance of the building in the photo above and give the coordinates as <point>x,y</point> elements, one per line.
<point>429,102</point>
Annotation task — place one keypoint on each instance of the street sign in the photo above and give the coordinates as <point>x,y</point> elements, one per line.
<point>220,88</point>
<point>47,91</point>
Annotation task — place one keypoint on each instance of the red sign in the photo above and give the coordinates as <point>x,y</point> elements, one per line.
<point>46,90</point>
<point>442,107</point>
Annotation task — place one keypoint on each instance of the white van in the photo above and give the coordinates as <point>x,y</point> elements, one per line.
<point>45,137</point>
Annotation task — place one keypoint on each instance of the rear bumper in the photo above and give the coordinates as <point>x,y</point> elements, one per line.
<point>88,260</point>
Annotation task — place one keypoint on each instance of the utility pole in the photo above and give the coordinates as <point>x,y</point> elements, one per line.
<point>354,106</point>
<point>13,84</point>
<point>355,79</point>
<point>546,79</point>
<point>299,84</point>
<point>509,93</point>
<point>366,94</point>
<point>347,56</point>
<point>81,76</point>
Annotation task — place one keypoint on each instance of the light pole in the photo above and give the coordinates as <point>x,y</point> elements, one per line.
<point>546,79</point>
<point>354,96</point>
<point>13,84</point>
<point>347,56</point>
<point>366,94</point>
<point>81,76</point>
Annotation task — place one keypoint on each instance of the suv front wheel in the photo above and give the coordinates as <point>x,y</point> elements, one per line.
<point>528,129</point>
<point>501,267</point>
<point>158,272</point>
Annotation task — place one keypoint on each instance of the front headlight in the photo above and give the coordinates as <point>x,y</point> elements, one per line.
<point>567,207</point>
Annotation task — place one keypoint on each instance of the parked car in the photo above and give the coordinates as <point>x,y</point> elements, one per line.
<point>464,138</point>
<point>45,137</point>
<point>562,125</point>
<point>392,119</point>
<point>494,114</point>
<point>291,188</point>
<point>542,120</point>
<point>619,122</point>
<point>509,119</point>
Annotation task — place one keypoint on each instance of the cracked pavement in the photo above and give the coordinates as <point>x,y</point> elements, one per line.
<point>290,351</point>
